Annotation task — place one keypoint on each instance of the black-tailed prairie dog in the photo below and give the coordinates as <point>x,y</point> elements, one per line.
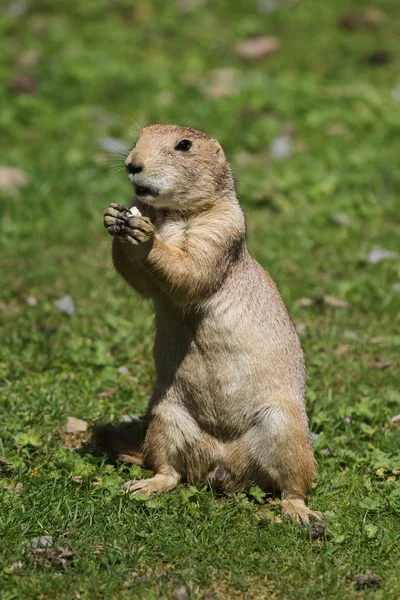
<point>228,401</point>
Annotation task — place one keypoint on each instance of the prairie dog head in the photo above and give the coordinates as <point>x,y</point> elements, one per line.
<point>178,168</point>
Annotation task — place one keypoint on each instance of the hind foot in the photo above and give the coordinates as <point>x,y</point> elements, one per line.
<point>155,485</point>
<point>296,509</point>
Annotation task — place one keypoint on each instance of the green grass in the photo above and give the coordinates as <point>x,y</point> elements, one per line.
<point>103,69</point>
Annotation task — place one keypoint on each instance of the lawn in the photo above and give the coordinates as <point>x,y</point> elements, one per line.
<point>313,133</point>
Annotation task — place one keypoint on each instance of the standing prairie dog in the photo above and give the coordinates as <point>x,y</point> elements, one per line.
<point>228,402</point>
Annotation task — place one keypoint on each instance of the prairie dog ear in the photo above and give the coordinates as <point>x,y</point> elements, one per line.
<point>218,149</point>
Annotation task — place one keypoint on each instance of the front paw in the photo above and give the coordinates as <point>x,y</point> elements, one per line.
<point>115,219</point>
<point>124,223</point>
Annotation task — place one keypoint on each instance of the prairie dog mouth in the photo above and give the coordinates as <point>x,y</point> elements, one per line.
<point>145,190</point>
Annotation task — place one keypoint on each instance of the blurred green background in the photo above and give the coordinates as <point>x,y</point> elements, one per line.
<point>305,98</point>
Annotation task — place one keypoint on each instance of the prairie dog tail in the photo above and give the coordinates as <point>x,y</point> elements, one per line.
<point>118,445</point>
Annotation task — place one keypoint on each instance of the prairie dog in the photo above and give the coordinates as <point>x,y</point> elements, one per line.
<point>228,401</point>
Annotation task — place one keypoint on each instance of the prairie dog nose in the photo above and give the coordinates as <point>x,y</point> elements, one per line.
<point>133,167</point>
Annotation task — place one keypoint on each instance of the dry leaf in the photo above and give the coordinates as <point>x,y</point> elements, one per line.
<point>12,178</point>
<point>351,335</point>
<point>23,83</point>
<point>74,425</point>
<point>323,299</point>
<point>343,350</point>
<point>267,6</point>
<point>383,364</point>
<point>188,5</point>
<point>29,58</point>
<point>378,340</point>
<point>305,302</point>
<point>31,301</point>
<point>107,393</point>
<point>337,129</point>
<point>181,593</point>
<point>317,530</point>
<point>15,565</point>
<point>395,419</point>
<point>5,464</point>
<point>367,579</point>
<point>49,557</point>
<point>341,219</point>
<point>221,83</point>
<point>17,488</point>
<point>257,47</point>
<point>374,16</point>
<point>123,370</point>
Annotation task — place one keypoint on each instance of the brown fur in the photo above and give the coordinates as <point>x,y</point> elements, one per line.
<point>228,402</point>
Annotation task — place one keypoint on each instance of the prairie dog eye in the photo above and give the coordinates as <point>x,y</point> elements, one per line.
<point>183,145</point>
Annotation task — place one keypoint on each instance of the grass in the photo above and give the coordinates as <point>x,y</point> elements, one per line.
<point>104,68</point>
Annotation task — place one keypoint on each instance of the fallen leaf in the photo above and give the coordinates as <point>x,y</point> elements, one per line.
<point>5,464</point>
<point>29,58</point>
<point>17,488</point>
<point>11,178</point>
<point>123,370</point>
<point>343,350</point>
<point>337,129</point>
<point>221,83</point>
<point>188,5</point>
<point>367,579</point>
<point>317,530</point>
<point>257,47</point>
<point>323,299</point>
<point>341,219</point>
<point>374,16</point>
<point>65,305</point>
<point>395,419</point>
<point>44,541</point>
<point>74,425</point>
<point>351,335</point>
<point>23,83</point>
<point>31,301</point>
<point>378,340</point>
<point>107,393</point>
<point>15,566</point>
<point>267,6</point>
<point>305,302</point>
<point>353,20</point>
<point>181,593</point>
<point>383,364</point>
<point>49,557</point>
